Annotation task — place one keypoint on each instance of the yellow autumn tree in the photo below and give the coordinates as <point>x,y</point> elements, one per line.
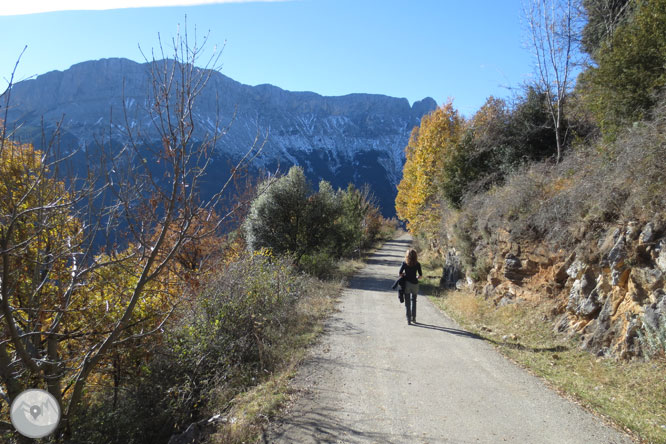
<point>37,232</point>
<point>430,147</point>
<point>50,320</point>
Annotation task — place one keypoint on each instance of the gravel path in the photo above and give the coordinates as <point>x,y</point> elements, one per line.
<point>375,379</point>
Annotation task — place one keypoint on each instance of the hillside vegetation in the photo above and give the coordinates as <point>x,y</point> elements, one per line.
<point>230,312</point>
<point>148,309</point>
<point>589,229</point>
<point>565,252</point>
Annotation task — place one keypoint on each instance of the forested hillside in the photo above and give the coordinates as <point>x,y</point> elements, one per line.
<point>557,194</point>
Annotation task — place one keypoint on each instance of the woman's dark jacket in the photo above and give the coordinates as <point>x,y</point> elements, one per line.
<point>411,272</point>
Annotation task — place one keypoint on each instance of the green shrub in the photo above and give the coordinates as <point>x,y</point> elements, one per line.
<point>629,74</point>
<point>320,264</point>
<point>289,218</point>
<point>313,228</point>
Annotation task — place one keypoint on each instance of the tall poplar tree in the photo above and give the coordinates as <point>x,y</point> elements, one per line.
<point>432,145</point>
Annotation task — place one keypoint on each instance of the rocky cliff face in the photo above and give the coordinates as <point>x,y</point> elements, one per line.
<point>358,138</point>
<point>605,292</point>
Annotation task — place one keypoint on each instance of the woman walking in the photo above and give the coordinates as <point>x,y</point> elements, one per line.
<point>411,270</point>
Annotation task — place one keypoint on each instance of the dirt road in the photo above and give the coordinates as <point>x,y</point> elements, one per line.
<point>375,379</point>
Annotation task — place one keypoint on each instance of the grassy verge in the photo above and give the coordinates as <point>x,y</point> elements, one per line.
<point>630,394</point>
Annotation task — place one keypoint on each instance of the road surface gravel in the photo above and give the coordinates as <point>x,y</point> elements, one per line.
<point>375,379</point>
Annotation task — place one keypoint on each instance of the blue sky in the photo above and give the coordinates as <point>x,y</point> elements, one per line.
<point>402,48</point>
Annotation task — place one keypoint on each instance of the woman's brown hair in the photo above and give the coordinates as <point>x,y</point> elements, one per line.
<point>410,258</point>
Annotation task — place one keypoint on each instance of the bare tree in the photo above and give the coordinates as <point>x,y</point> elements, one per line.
<point>55,334</point>
<point>554,30</point>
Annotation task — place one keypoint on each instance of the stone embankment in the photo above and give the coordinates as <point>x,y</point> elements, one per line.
<point>608,292</point>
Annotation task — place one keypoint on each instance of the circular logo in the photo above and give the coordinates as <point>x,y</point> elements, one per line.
<point>35,413</point>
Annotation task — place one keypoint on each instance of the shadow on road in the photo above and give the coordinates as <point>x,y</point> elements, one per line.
<point>375,261</point>
<point>405,242</point>
<point>453,331</point>
<point>335,324</point>
<point>324,362</point>
<point>514,345</point>
<point>377,255</point>
<point>371,283</point>
<point>323,426</point>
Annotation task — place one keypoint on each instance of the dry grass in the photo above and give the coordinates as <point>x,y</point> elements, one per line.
<point>630,394</point>
<point>347,268</point>
<point>252,410</point>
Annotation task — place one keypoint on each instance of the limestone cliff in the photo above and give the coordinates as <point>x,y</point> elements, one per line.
<point>357,138</point>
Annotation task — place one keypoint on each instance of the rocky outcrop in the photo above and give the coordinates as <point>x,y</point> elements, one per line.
<point>452,272</point>
<point>608,291</point>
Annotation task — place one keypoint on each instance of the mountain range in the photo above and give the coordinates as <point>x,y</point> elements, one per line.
<point>356,138</point>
